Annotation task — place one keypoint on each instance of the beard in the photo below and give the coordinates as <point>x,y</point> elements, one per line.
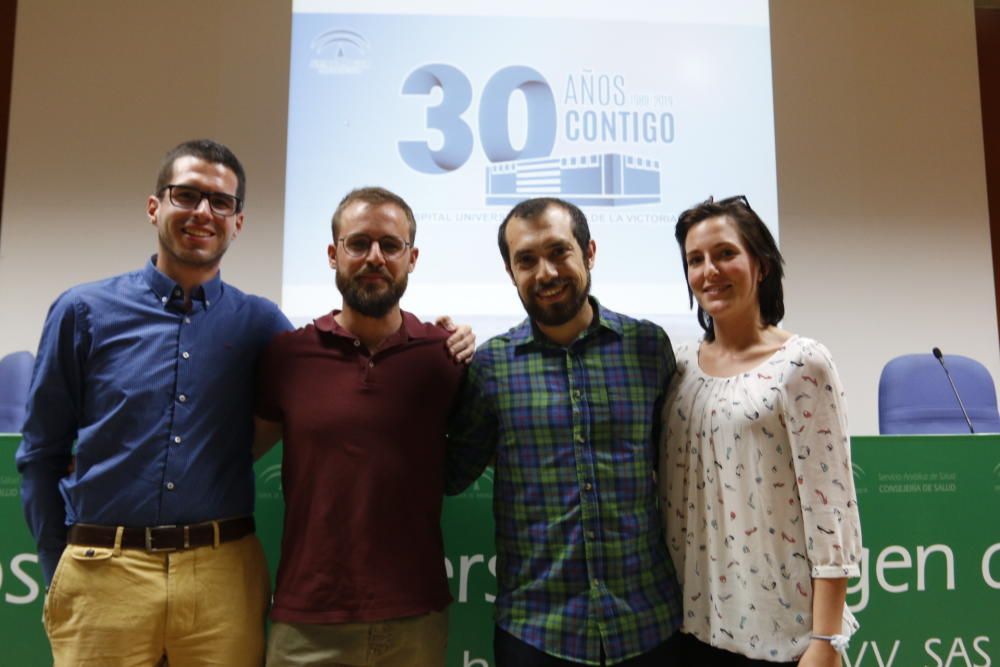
<point>559,313</point>
<point>371,299</point>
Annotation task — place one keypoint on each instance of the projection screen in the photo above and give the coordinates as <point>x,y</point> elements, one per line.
<point>632,110</point>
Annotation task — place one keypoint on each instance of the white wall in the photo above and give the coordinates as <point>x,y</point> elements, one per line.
<point>101,90</point>
<point>881,185</point>
<point>880,164</point>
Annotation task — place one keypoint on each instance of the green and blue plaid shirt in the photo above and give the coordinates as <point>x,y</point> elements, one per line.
<point>581,558</point>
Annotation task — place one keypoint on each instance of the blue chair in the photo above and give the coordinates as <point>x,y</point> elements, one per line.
<point>914,396</point>
<point>15,376</point>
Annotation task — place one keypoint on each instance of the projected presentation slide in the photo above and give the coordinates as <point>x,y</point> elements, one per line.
<point>632,110</point>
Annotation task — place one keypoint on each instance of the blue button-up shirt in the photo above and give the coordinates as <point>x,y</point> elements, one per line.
<point>158,399</point>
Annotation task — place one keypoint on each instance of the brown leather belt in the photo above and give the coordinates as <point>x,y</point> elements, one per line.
<point>163,538</point>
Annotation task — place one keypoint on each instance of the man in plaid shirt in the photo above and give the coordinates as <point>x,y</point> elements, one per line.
<point>568,402</point>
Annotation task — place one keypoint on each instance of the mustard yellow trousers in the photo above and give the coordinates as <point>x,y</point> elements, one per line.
<point>113,607</point>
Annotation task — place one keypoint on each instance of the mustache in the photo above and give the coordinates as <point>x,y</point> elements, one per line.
<point>558,282</point>
<point>375,270</point>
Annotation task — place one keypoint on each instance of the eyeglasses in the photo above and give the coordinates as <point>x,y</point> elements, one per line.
<point>359,245</point>
<point>735,199</point>
<point>189,198</point>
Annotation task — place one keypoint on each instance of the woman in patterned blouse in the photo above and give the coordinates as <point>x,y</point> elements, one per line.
<point>758,496</point>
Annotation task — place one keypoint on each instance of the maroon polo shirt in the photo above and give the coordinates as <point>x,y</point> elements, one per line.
<point>363,470</point>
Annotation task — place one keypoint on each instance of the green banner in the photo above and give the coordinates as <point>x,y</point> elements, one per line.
<point>22,637</point>
<point>929,594</point>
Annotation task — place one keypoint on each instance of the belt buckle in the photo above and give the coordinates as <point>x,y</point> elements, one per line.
<point>149,540</point>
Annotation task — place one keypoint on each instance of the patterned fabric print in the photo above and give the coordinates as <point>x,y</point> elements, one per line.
<point>759,497</point>
<point>574,431</point>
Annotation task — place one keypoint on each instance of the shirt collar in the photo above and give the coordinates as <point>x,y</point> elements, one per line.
<point>526,332</point>
<point>166,289</point>
<point>411,329</point>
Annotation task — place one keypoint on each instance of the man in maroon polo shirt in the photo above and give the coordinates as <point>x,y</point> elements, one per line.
<point>363,395</point>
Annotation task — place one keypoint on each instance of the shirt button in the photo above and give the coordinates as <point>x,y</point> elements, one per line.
<point>591,535</point>
<point>596,583</point>
<point>182,398</point>
<point>580,438</point>
<point>177,439</point>
<point>588,487</point>
<point>177,293</point>
<point>187,320</point>
<point>164,299</point>
<point>577,394</point>
<point>357,343</point>
<point>170,486</point>
<point>186,355</point>
<point>207,303</point>
<point>371,364</point>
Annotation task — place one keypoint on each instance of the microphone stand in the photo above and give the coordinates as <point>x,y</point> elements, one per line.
<point>940,357</point>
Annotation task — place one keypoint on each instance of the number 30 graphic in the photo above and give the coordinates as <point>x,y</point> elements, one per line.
<point>494,127</point>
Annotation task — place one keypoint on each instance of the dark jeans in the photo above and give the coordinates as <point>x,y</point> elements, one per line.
<point>695,653</point>
<point>509,651</point>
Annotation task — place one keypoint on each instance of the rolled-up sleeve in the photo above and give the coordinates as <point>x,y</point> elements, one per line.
<point>816,414</point>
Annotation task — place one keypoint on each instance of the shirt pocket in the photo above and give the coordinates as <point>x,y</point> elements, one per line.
<point>623,452</point>
<point>622,416</point>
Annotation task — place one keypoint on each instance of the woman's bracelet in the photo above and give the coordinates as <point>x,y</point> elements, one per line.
<point>838,642</point>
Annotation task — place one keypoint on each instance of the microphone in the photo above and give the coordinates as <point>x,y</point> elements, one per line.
<point>940,358</point>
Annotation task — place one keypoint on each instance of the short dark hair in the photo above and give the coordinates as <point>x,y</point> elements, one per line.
<point>759,242</point>
<point>531,209</point>
<point>375,196</point>
<point>203,149</point>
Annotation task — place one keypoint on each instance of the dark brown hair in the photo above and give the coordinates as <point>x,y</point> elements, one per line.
<point>203,149</point>
<point>759,242</point>
<point>531,209</point>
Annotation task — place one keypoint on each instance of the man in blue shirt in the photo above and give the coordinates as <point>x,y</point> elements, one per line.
<point>149,516</point>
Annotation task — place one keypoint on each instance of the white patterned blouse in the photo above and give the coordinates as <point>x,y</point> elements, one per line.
<point>758,497</point>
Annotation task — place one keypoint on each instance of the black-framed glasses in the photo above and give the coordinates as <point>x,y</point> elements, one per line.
<point>735,199</point>
<point>189,198</point>
<point>359,245</point>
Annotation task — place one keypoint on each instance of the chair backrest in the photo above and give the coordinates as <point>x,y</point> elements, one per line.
<point>914,396</point>
<point>15,376</point>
